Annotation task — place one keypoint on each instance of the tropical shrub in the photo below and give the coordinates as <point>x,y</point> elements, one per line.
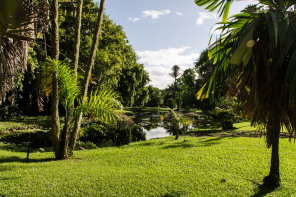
<point>103,135</point>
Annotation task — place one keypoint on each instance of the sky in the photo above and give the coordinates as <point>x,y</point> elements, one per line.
<point>165,33</point>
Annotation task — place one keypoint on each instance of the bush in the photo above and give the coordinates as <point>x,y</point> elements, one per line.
<point>226,112</point>
<point>171,103</point>
<point>102,135</point>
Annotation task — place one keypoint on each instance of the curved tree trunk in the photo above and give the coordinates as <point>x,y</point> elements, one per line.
<point>55,88</point>
<point>91,61</point>
<point>63,152</point>
<point>273,179</point>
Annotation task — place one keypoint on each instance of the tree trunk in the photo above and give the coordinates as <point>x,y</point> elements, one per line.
<point>177,134</point>
<point>55,88</point>
<point>91,61</point>
<point>273,179</point>
<point>64,141</point>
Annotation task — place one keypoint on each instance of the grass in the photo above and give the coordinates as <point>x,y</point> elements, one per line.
<point>152,109</point>
<point>25,123</point>
<point>205,166</point>
<point>240,129</point>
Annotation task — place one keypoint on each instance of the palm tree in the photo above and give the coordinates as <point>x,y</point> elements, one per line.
<point>95,44</point>
<point>204,67</point>
<point>18,22</point>
<point>102,105</point>
<point>63,152</point>
<point>257,53</point>
<point>175,74</point>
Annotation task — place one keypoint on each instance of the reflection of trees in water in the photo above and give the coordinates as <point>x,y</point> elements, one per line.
<point>152,120</point>
<point>148,120</point>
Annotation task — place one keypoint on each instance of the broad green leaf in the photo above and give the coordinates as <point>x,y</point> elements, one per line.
<point>238,55</point>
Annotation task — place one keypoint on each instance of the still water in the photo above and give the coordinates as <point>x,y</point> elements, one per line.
<point>152,124</point>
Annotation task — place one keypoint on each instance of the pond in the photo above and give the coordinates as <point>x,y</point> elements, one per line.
<point>152,124</point>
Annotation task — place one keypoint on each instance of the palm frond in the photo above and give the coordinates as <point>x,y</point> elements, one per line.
<point>257,53</point>
<point>103,105</point>
<point>68,86</point>
<point>223,6</point>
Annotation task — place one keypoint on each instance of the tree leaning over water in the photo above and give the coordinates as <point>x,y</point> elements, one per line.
<point>257,53</point>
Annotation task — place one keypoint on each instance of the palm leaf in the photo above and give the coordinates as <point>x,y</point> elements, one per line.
<point>68,86</point>
<point>103,105</point>
<point>222,5</point>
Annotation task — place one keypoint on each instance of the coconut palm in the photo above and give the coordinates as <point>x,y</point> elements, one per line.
<point>20,20</point>
<point>257,53</point>
<point>175,74</point>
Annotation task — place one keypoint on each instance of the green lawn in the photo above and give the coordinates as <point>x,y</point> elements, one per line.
<point>206,166</point>
<point>25,123</point>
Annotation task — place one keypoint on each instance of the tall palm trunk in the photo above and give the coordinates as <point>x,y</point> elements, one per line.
<point>273,179</point>
<point>63,153</point>
<point>55,88</point>
<point>91,61</point>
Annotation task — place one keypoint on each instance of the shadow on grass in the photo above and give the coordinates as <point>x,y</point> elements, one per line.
<point>211,141</point>
<point>149,143</point>
<point>24,160</point>
<point>188,144</point>
<point>263,191</point>
<point>182,144</point>
<point>173,194</point>
<point>208,132</point>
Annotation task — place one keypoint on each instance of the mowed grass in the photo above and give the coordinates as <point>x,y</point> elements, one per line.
<point>25,123</point>
<point>205,166</point>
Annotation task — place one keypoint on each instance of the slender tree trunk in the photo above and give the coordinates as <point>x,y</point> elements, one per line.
<point>273,179</point>
<point>55,88</point>
<point>177,135</point>
<point>91,61</point>
<point>63,153</point>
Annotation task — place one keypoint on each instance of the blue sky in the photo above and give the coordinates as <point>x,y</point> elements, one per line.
<point>166,32</point>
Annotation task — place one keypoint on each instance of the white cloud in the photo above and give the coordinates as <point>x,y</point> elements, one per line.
<point>203,16</point>
<point>169,56</point>
<point>179,13</point>
<point>155,14</point>
<point>159,63</point>
<point>133,19</point>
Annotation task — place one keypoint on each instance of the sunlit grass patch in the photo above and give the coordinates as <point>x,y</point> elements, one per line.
<point>206,166</point>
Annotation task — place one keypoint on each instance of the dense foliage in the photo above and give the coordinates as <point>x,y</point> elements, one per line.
<point>116,67</point>
<point>256,54</point>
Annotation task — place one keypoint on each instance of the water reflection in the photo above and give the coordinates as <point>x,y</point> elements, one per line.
<point>152,124</point>
<point>156,133</point>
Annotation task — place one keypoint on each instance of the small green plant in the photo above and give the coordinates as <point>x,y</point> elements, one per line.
<point>179,124</point>
<point>227,112</point>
